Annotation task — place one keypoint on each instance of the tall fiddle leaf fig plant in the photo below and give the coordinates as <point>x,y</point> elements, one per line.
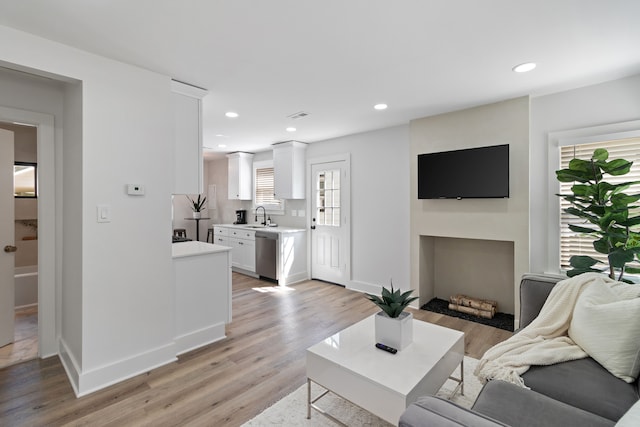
<point>607,212</point>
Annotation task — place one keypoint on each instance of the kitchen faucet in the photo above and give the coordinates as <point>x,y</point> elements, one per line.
<point>264,215</point>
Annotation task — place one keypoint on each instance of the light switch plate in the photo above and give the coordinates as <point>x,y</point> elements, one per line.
<point>104,213</point>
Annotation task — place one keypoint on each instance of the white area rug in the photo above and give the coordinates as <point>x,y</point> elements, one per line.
<point>292,409</point>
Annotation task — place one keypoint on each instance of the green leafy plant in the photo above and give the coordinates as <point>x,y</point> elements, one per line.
<point>198,204</point>
<point>607,214</point>
<point>392,302</point>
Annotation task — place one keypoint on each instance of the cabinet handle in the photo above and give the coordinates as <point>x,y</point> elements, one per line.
<point>240,243</point>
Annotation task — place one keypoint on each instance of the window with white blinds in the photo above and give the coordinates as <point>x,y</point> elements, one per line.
<point>264,185</point>
<point>572,243</point>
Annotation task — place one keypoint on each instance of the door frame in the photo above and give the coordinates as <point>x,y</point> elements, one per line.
<point>47,272</point>
<point>345,190</point>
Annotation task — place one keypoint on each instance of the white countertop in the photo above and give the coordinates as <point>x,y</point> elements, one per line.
<point>257,227</point>
<point>185,249</point>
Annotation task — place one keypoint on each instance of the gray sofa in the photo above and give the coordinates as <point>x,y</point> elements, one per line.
<point>577,393</point>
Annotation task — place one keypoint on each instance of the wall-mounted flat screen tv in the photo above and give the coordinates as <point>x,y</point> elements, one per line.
<point>464,174</point>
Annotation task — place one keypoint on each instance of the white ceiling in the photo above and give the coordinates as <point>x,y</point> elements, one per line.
<point>335,59</point>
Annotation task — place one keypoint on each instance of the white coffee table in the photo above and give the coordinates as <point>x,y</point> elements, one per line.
<point>348,365</point>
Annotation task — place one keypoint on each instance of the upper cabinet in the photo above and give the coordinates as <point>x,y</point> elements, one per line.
<point>240,176</point>
<point>289,170</point>
<point>188,167</point>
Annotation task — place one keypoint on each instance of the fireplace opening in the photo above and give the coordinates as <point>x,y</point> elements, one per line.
<point>499,320</point>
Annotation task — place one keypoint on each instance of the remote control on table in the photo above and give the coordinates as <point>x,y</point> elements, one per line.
<point>386,348</point>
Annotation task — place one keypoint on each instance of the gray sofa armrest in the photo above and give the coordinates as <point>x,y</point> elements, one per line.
<point>534,290</point>
<point>431,411</point>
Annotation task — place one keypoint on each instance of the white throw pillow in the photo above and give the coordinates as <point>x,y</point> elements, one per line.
<point>606,324</point>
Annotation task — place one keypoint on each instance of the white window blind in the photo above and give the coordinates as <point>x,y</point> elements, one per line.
<point>572,243</point>
<point>265,189</point>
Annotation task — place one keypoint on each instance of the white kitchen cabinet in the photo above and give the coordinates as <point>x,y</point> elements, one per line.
<point>188,166</point>
<point>240,176</point>
<point>243,247</point>
<point>221,236</point>
<point>289,169</point>
<point>242,244</point>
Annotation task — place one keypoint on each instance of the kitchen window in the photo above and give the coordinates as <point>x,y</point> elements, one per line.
<point>264,187</point>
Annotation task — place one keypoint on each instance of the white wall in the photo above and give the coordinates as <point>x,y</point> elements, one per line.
<point>379,204</point>
<point>122,268</point>
<point>603,104</point>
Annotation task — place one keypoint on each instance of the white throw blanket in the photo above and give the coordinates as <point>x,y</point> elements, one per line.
<point>545,340</point>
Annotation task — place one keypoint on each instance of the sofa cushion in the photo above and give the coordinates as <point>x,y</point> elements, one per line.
<point>517,406</point>
<point>584,384</point>
<point>605,324</point>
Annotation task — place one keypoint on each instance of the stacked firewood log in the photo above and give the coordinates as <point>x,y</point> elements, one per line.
<point>477,307</point>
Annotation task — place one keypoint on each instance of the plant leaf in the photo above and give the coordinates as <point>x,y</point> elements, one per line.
<point>600,154</point>
<point>579,229</point>
<point>582,261</point>
<point>617,167</point>
<point>619,257</point>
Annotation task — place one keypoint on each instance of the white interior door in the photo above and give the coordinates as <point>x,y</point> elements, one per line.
<point>7,235</point>
<point>329,222</point>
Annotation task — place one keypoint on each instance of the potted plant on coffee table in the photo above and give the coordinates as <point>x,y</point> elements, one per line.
<point>393,325</point>
<point>197,205</point>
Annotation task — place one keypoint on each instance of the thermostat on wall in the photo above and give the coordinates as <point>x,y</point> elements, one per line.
<point>135,190</point>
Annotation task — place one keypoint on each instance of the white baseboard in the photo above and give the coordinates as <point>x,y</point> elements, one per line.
<point>199,338</point>
<point>364,287</point>
<point>70,365</point>
<point>92,380</point>
<point>293,278</point>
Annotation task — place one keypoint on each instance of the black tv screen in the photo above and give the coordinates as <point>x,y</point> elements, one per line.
<point>471,173</point>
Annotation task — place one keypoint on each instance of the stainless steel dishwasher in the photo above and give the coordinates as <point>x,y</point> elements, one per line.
<point>267,255</point>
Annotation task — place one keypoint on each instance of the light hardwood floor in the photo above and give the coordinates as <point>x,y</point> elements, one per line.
<point>223,384</point>
<point>25,345</point>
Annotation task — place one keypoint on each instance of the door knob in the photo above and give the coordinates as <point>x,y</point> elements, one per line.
<point>10,248</point>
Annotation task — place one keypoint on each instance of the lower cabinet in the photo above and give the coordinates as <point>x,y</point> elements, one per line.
<point>243,252</point>
<point>242,244</point>
<point>291,256</point>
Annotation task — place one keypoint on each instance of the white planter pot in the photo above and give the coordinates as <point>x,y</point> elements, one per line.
<point>197,215</point>
<point>394,332</point>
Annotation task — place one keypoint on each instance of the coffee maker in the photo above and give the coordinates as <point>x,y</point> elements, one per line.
<point>241,217</point>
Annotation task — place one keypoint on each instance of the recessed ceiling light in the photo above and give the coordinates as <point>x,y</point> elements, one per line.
<point>380,106</point>
<point>220,135</point>
<point>291,129</point>
<point>231,114</point>
<point>523,68</point>
<point>222,145</point>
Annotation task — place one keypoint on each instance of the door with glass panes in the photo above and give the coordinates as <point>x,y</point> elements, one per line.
<point>329,226</point>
